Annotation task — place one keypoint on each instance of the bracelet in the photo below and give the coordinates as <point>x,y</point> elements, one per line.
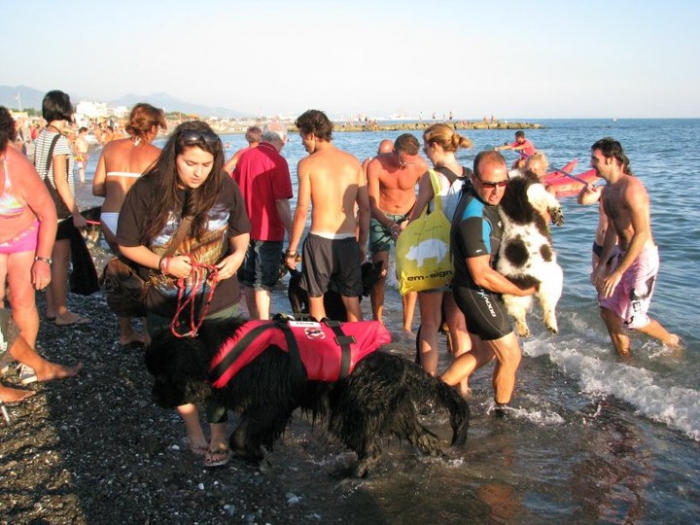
<point>47,260</point>
<point>290,253</point>
<point>164,264</point>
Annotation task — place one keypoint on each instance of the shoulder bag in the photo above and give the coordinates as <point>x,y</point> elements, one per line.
<point>62,210</point>
<point>423,258</point>
<point>124,288</point>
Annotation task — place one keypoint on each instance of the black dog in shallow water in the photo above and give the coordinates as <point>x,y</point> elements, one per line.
<point>382,396</point>
<point>332,301</point>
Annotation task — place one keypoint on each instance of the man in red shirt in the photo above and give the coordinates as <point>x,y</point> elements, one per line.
<point>522,146</point>
<point>266,185</point>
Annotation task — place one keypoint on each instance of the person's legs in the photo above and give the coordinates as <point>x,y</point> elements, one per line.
<point>10,395</point>
<point>377,293</point>
<point>617,330</point>
<point>44,370</point>
<point>657,331</point>
<point>127,334</point>
<point>461,342</point>
<point>316,308</point>
<point>249,294</point>
<point>23,301</point>
<point>262,299</point>
<point>57,290</point>
<point>507,352</point>
<point>408,301</point>
<point>195,435</point>
<point>352,306</point>
<point>430,305</point>
<point>267,265</point>
<point>465,365</point>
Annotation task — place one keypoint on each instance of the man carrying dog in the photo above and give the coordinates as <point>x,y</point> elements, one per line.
<point>391,185</point>
<point>476,234</point>
<point>266,185</point>
<point>626,285</point>
<point>332,183</point>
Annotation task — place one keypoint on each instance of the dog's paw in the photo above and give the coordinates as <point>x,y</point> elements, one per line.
<point>557,216</point>
<point>552,327</point>
<point>428,443</point>
<point>364,466</point>
<point>522,329</point>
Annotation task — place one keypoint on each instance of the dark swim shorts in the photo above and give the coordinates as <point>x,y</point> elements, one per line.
<point>380,238</point>
<point>331,260</point>
<point>484,311</point>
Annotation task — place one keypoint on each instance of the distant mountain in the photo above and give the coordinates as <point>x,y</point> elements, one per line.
<point>31,98</point>
<point>28,97</point>
<point>168,103</point>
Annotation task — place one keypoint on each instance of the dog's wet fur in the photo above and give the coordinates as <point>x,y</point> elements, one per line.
<point>383,397</point>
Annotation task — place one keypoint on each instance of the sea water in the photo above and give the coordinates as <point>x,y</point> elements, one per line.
<point>591,437</point>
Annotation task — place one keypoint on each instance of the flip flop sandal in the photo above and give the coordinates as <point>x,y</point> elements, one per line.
<point>217,458</point>
<point>26,374</point>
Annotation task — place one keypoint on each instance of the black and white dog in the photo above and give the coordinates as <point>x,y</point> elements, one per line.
<point>526,255</point>
<point>382,396</point>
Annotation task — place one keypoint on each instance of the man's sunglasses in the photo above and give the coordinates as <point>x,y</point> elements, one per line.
<point>197,137</point>
<point>492,185</point>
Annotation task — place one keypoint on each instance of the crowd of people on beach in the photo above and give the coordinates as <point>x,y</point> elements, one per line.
<point>197,225</point>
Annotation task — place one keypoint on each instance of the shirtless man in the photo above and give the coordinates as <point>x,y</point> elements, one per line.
<point>391,185</point>
<point>625,287</point>
<point>254,136</point>
<point>82,152</point>
<point>331,181</point>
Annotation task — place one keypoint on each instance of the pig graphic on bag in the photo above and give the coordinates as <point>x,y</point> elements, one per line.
<point>430,248</point>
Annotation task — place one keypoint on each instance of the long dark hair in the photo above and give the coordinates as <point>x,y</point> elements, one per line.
<point>197,203</point>
<point>611,148</point>
<point>8,133</point>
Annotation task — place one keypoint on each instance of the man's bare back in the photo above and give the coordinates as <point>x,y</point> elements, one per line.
<point>335,184</point>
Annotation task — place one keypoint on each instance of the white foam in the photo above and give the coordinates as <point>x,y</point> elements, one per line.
<point>599,375</point>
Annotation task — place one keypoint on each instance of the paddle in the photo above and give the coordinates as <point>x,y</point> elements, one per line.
<point>558,170</point>
<point>579,179</point>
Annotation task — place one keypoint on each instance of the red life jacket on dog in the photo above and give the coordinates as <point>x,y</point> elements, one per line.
<point>328,350</point>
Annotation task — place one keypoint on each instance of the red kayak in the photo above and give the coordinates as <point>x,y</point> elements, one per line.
<point>565,186</point>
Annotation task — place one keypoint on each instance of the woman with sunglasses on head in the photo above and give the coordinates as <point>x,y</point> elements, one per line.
<point>188,182</point>
<point>121,164</point>
<point>440,144</point>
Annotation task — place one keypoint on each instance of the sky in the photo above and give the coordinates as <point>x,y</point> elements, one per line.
<point>510,59</point>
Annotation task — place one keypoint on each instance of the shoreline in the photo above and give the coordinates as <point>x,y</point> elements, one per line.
<point>383,126</point>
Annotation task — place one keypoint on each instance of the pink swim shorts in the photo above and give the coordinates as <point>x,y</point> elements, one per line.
<point>631,298</point>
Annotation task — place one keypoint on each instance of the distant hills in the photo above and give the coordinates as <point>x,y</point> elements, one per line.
<point>31,98</point>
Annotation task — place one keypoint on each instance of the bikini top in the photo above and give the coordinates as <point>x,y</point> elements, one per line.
<point>127,174</point>
<point>10,206</point>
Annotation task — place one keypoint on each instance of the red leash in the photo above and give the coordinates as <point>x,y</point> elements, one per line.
<point>202,273</point>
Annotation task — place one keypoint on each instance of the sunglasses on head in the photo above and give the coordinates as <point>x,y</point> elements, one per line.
<point>195,137</point>
<point>496,184</point>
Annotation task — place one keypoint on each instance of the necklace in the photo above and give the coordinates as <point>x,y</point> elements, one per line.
<point>54,127</point>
